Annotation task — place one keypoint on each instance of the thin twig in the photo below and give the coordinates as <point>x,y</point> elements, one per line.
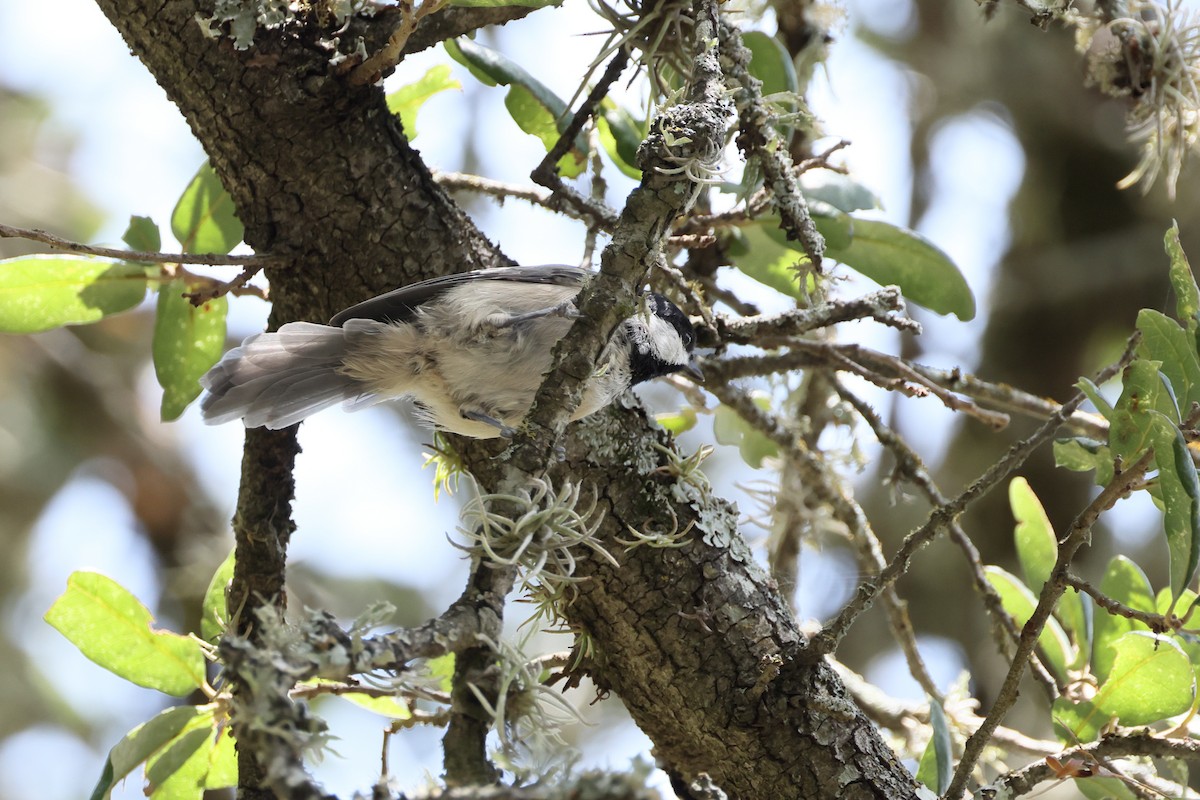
<point>599,189</point>
<point>237,286</point>
<point>896,715</point>
<point>691,241</point>
<point>1155,622</point>
<point>821,160</point>
<point>388,56</point>
<point>827,640</point>
<point>1055,585</point>
<point>1140,744</point>
<point>885,306</point>
<point>757,139</point>
<point>203,259</point>
<point>901,370</point>
<point>685,289</point>
<point>894,376</point>
<point>497,189</point>
<point>994,395</point>
<point>909,464</point>
<point>817,476</point>
<point>595,214</point>
<point>546,173</point>
<point>566,139</point>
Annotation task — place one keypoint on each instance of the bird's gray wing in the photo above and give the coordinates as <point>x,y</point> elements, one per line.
<point>400,305</point>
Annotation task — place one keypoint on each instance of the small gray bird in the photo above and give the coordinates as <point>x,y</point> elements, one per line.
<point>471,349</point>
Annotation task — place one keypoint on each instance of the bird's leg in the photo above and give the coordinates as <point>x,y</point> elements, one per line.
<point>479,416</point>
<point>566,309</point>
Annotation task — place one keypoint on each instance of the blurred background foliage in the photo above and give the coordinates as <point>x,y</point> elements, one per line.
<point>1066,262</point>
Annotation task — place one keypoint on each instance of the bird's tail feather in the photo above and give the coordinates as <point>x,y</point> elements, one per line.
<point>277,379</point>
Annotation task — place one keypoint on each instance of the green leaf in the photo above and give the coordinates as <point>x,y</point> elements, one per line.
<point>454,50</point>
<point>890,255</point>
<point>204,219</point>
<point>142,234</point>
<point>177,771</point>
<point>1181,500</point>
<point>535,109</point>
<point>730,429</point>
<point>104,786</point>
<point>214,616</point>
<point>1151,679</point>
<point>621,134</point>
<point>222,761</point>
<point>1097,788</point>
<point>1081,454</point>
<point>1176,491</point>
<point>756,253</point>
<point>1165,341</point>
<point>761,250</point>
<point>442,668</point>
<point>1183,281</point>
<point>1037,547</point>
<point>1020,603</point>
<point>390,707</point>
<point>141,743</point>
<point>1132,430</point>
<point>882,252</point>
<point>188,340</point>
<point>835,227</point>
<point>839,191</point>
<point>936,767</point>
<point>1037,550</point>
<point>1165,603</point>
<point>41,292</point>
<point>1092,392</point>
<point>1124,582</point>
<point>112,628</point>
<point>1143,420</point>
<point>529,110</point>
<point>407,100</point>
<point>682,420</point>
<point>771,63</point>
<point>1077,722</point>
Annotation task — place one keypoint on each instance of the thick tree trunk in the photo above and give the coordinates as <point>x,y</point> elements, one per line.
<point>695,640</point>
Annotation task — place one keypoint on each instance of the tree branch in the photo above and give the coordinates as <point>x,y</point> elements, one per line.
<point>908,464</point>
<point>826,641</point>
<point>885,306</point>
<point>694,131</point>
<point>207,259</point>
<point>1115,745</point>
<point>829,354</point>
<point>453,21</point>
<point>1155,622</point>
<point>546,172</point>
<point>757,140</point>
<point>1079,533</point>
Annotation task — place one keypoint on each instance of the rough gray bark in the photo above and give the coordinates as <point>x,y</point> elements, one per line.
<point>696,640</point>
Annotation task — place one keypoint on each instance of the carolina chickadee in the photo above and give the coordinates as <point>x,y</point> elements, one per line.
<point>470,348</point>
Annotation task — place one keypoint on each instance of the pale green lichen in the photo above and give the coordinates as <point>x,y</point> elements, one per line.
<point>540,533</point>
<point>527,715</point>
<point>244,19</point>
<point>1151,55</point>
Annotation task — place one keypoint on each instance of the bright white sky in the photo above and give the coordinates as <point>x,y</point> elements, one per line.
<point>134,155</point>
